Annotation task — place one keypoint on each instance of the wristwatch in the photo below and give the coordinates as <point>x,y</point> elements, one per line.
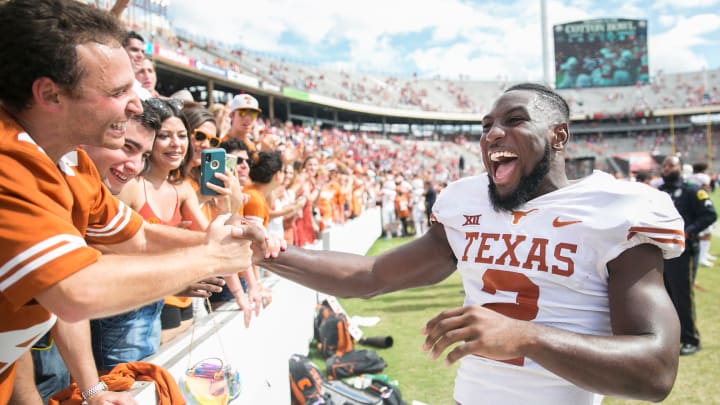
<point>99,387</point>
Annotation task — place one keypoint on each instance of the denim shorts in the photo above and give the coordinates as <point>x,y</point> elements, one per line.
<point>127,337</point>
<point>51,375</point>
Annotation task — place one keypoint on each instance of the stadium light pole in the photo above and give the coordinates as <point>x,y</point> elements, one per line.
<point>672,135</point>
<point>543,27</point>
<point>708,139</point>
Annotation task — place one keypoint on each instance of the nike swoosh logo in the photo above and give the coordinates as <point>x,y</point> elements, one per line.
<point>557,223</point>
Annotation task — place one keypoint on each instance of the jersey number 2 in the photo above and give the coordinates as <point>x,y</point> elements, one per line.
<point>525,307</point>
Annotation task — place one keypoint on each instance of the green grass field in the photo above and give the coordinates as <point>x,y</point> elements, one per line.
<point>404,313</point>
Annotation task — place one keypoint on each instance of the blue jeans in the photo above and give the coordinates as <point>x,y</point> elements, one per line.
<point>127,337</point>
<point>51,375</point>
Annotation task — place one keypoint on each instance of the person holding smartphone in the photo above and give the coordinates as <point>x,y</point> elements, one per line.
<point>229,199</point>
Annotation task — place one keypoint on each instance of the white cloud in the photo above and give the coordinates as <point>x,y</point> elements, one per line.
<point>667,20</point>
<point>671,50</point>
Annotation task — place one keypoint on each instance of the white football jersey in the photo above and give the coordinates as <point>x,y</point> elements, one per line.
<point>546,262</point>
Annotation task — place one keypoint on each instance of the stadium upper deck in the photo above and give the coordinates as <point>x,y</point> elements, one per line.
<point>666,93</point>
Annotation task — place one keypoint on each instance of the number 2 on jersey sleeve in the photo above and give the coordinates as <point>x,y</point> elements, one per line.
<point>525,307</point>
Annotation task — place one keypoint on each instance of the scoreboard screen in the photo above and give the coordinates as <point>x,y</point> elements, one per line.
<point>601,53</point>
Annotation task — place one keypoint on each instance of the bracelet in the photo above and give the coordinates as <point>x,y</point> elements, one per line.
<point>95,389</point>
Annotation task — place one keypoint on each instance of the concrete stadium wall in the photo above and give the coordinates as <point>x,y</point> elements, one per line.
<point>261,352</point>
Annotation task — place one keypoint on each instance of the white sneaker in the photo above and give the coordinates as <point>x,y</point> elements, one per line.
<point>710,257</point>
<point>706,263</point>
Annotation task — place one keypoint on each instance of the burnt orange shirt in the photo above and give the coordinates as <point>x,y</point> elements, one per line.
<point>49,212</point>
<point>256,206</point>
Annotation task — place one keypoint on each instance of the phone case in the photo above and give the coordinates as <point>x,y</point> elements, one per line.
<point>213,161</point>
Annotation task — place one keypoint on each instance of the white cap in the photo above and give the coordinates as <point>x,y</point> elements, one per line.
<point>244,102</point>
<point>184,95</point>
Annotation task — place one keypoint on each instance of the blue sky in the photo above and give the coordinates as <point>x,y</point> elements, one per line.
<point>479,40</point>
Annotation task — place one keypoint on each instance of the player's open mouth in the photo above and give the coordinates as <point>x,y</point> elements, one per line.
<point>503,163</point>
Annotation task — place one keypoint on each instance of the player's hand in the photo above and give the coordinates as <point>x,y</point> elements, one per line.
<point>275,245</point>
<point>203,288</point>
<point>230,244</point>
<point>475,330</point>
<point>264,246</point>
<point>112,398</point>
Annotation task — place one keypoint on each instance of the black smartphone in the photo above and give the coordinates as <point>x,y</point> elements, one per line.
<point>213,161</point>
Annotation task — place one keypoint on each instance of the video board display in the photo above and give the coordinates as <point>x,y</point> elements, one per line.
<point>601,53</point>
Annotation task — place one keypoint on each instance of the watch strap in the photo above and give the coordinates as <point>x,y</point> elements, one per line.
<point>99,387</point>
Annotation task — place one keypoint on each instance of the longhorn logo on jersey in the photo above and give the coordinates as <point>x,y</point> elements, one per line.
<point>518,215</point>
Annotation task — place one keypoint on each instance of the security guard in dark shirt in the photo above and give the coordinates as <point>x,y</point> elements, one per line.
<point>694,205</point>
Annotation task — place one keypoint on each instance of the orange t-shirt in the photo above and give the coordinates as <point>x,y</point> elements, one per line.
<point>256,206</point>
<point>402,205</point>
<point>50,212</point>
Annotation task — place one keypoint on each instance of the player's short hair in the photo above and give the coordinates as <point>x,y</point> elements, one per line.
<point>549,95</point>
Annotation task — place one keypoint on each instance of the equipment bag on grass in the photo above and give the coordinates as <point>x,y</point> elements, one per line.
<point>322,312</point>
<point>305,381</point>
<point>339,393</point>
<point>334,336</point>
<point>353,363</point>
<point>389,393</point>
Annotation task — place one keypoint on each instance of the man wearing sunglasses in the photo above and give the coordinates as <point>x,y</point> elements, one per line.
<point>244,110</point>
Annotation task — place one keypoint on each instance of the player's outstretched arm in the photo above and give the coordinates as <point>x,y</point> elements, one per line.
<point>638,361</point>
<point>424,261</point>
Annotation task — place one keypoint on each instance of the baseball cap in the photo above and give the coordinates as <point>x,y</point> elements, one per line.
<point>244,102</point>
<point>186,97</point>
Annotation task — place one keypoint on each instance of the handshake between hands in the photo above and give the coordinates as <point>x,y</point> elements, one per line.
<point>235,244</point>
<point>239,242</point>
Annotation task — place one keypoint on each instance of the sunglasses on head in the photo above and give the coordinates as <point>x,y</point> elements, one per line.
<point>201,136</point>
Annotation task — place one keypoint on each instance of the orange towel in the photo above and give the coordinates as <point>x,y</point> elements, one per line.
<point>122,377</point>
